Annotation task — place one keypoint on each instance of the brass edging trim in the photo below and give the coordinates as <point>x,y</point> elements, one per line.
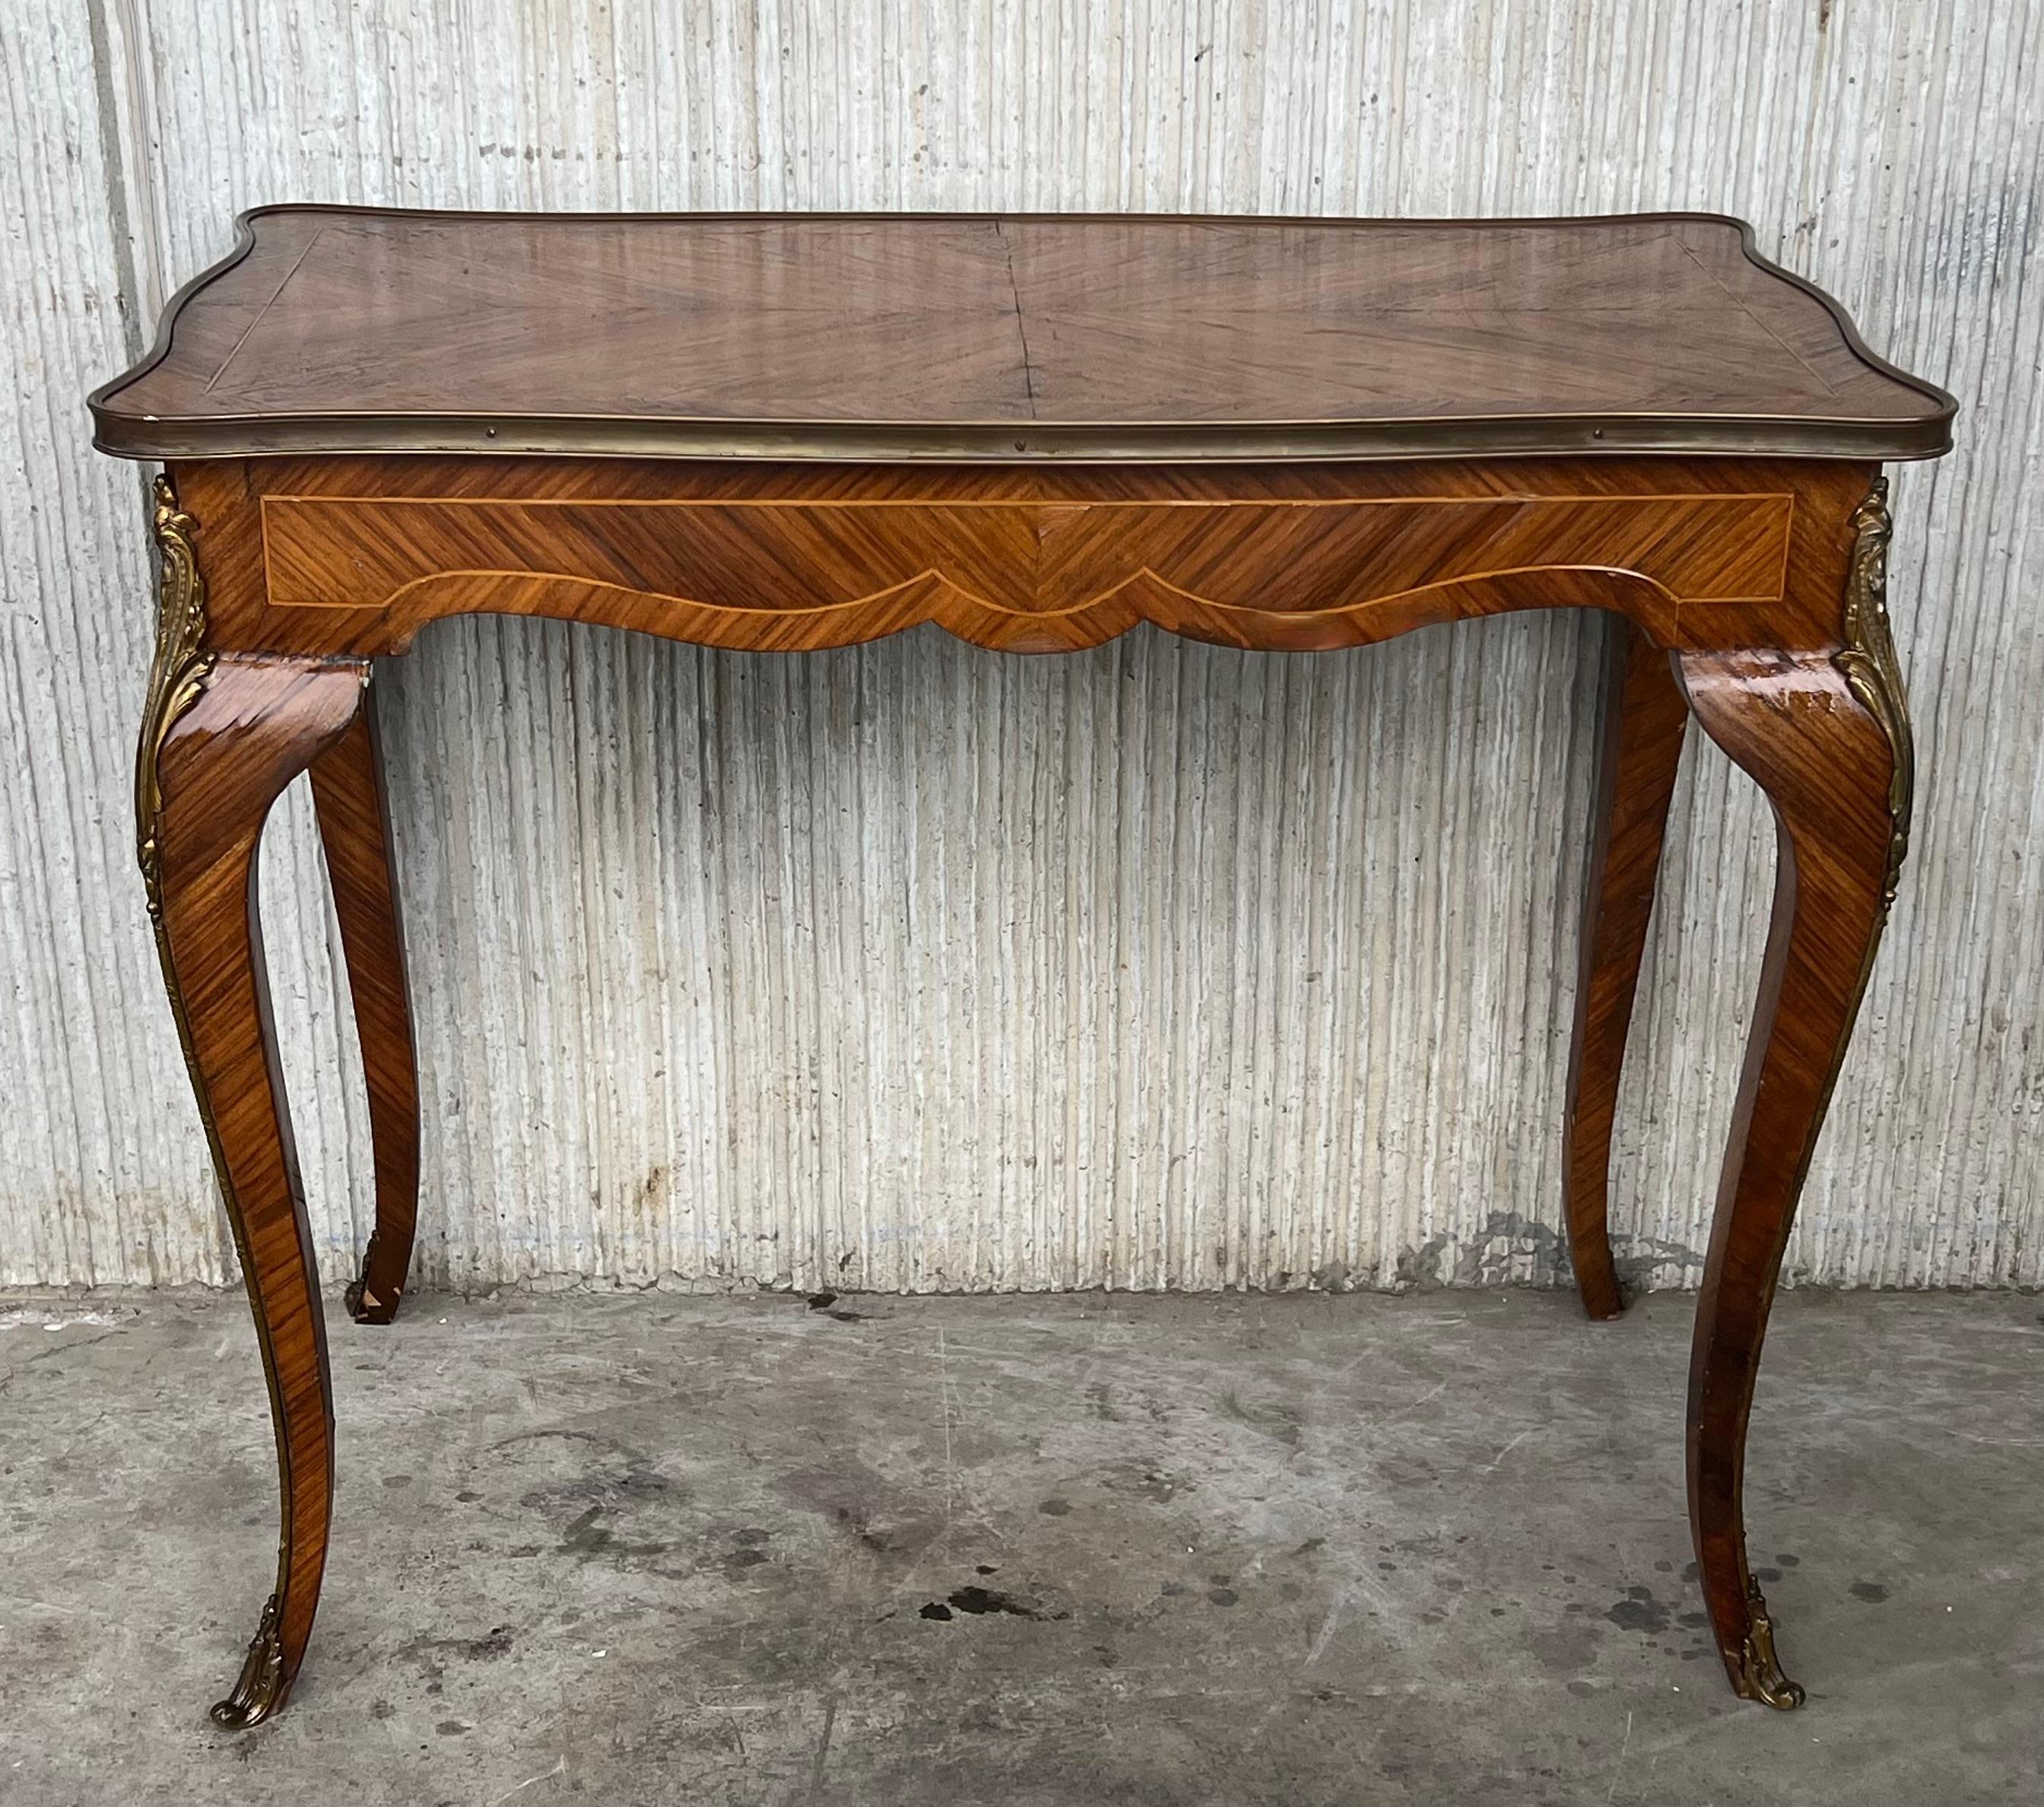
<point>178,676</point>
<point>801,499</point>
<point>1020,441</point>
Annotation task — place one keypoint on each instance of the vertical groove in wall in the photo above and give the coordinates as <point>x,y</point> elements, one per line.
<point>911,966</point>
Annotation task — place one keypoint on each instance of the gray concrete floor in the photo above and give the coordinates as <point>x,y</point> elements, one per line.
<point>1297,1550</point>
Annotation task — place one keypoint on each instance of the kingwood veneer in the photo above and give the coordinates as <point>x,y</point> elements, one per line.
<point>788,433</point>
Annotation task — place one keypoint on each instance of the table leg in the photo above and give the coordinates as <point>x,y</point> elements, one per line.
<point>354,825</point>
<point>1643,722</point>
<point>221,736</point>
<point>1828,740</point>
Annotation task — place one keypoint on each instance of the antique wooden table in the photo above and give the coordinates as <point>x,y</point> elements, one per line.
<point>789,432</point>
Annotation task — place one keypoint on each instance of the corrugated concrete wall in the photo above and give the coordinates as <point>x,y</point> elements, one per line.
<point>913,966</point>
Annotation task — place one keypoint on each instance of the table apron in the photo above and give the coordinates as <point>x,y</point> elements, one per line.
<point>361,574</point>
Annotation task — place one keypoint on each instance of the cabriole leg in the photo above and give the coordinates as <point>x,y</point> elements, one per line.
<point>1644,719</point>
<point>1827,738</point>
<point>221,736</point>
<point>254,727</point>
<point>354,825</point>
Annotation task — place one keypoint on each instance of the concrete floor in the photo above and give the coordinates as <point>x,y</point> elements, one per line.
<point>1294,1550</point>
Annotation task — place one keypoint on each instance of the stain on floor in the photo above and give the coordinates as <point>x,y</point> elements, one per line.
<point>655,1548</point>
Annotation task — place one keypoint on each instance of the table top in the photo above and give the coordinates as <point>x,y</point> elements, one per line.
<point>1006,339</point>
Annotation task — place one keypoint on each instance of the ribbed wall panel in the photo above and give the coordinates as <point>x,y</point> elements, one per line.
<point>915,965</point>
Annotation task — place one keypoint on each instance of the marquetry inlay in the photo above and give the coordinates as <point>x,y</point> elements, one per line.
<point>1018,574</point>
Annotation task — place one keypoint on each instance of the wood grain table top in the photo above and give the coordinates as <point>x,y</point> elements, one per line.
<point>1005,339</point>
